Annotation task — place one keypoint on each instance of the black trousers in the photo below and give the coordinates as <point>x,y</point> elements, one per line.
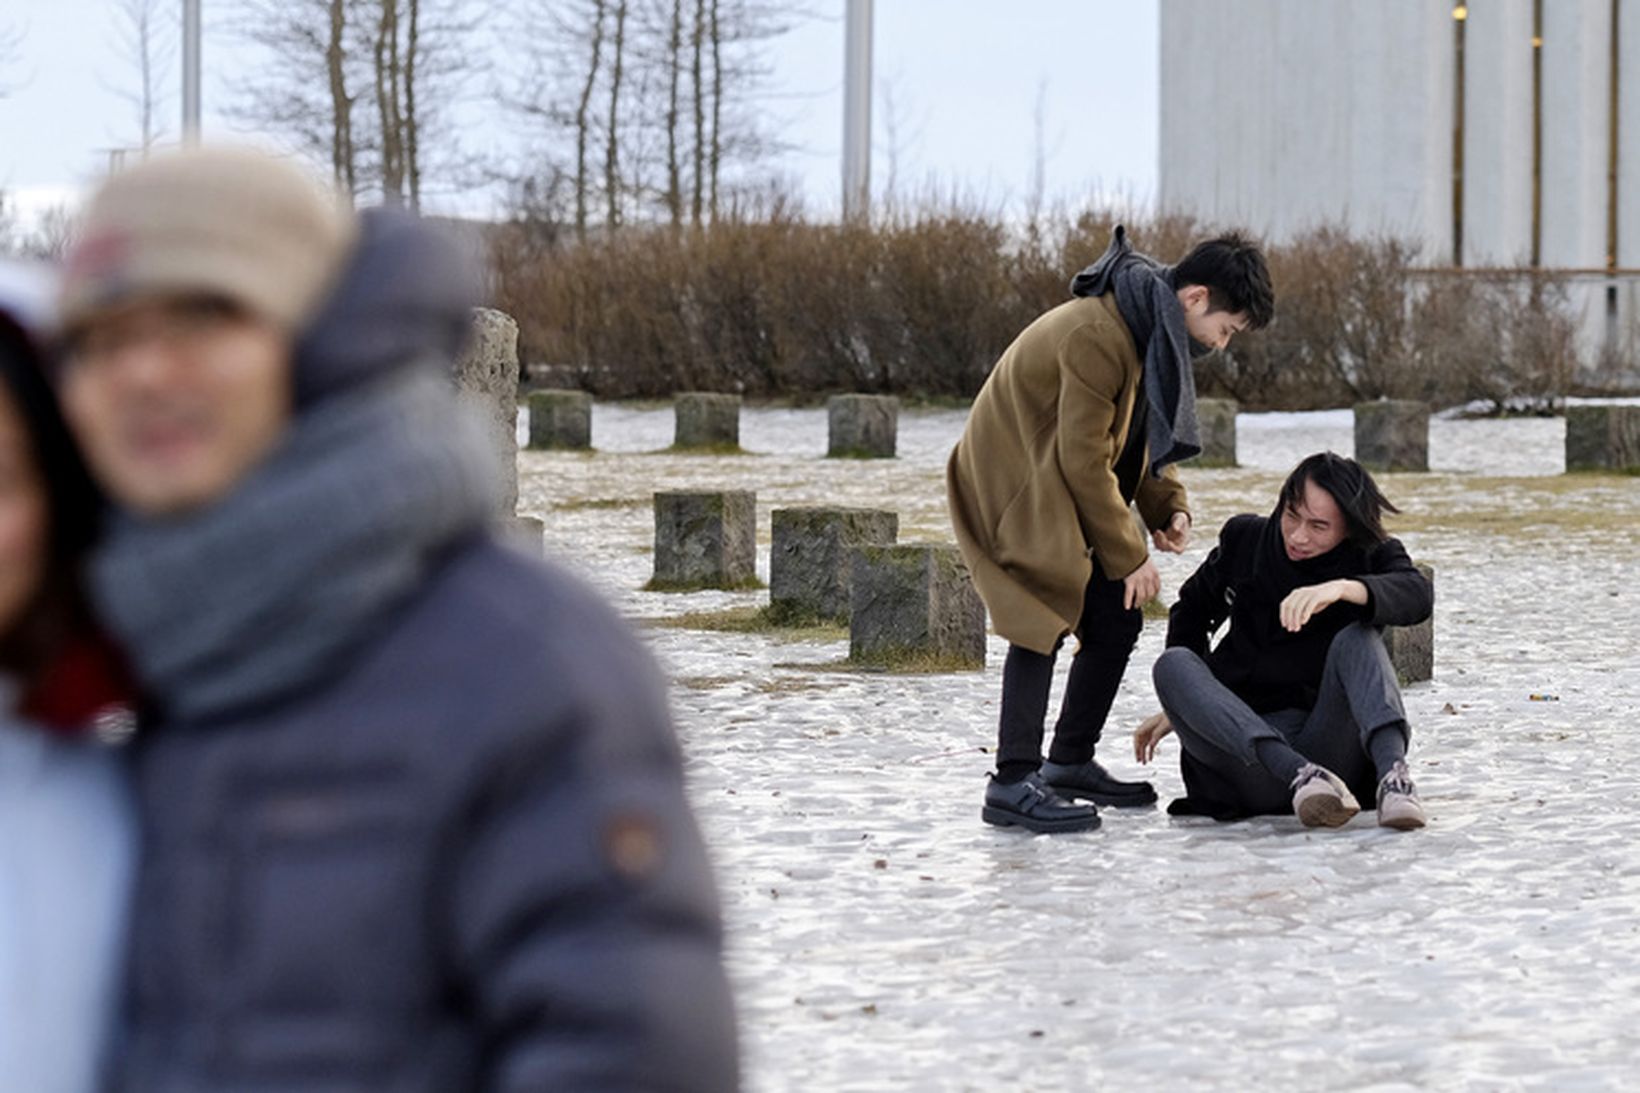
<point>1105,636</point>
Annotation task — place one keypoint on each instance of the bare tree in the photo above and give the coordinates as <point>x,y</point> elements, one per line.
<point>666,89</point>
<point>343,164</point>
<point>145,35</point>
<point>674,72</point>
<point>407,58</point>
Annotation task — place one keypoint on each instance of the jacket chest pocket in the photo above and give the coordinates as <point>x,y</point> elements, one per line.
<point>325,912</point>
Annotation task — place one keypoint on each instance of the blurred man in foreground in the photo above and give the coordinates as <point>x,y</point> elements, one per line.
<point>412,805</point>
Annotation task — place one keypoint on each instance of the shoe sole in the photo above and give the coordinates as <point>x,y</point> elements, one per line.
<point>1105,800</point>
<point>1003,818</point>
<point>1325,810</point>
<point>1401,823</point>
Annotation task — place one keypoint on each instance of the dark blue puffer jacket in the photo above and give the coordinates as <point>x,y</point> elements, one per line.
<point>458,858</point>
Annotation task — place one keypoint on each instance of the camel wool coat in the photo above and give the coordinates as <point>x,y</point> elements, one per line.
<point>1032,484</point>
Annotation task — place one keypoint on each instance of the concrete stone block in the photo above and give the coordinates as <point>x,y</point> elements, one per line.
<point>560,420</point>
<point>528,534</point>
<point>1217,417</point>
<point>810,566</point>
<point>1412,648</point>
<point>1603,438</point>
<point>705,540</point>
<point>704,420</point>
<point>914,605</point>
<point>862,426</point>
<point>1392,435</point>
<point>486,378</point>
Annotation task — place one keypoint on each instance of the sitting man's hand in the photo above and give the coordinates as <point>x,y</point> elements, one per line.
<point>1175,537</point>
<point>1303,604</point>
<point>1148,735</point>
<point>1141,586</point>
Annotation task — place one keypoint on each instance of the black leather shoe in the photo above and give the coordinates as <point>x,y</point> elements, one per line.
<point>1032,805</point>
<point>1092,782</point>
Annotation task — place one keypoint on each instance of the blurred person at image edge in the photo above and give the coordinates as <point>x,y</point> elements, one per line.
<point>412,804</point>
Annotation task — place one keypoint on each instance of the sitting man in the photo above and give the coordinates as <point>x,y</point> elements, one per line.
<point>1297,708</point>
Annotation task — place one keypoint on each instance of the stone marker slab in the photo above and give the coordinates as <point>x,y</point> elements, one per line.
<point>705,539</point>
<point>486,378</point>
<point>1392,435</point>
<point>560,420</point>
<point>1217,417</point>
<point>703,420</point>
<point>810,566</point>
<point>914,601</point>
<point>862,426</point>
<point>1412,648</point>
<point>1603,438</point>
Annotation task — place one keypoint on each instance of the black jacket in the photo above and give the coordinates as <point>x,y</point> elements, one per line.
<point>1244,580</point>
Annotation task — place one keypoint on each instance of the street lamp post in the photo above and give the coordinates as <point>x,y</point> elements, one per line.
<point>190,71</point>
<point>857,111</point>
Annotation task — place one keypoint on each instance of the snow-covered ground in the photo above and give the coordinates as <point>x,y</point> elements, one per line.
<point>883,938</point>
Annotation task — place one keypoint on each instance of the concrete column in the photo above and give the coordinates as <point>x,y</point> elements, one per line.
<point>914,605</point>
<point>1392,435</point>
<point>1603,438</point>
<point>810,565</point>
<point>706,421</point>
<point>862,426</point>
<point>1412,648</point>
<point>1217,418</point>
<point>560,420</point>
<point>486,379</point>
<point>705,540</point>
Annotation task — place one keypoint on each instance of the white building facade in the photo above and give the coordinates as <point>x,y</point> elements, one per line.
<point>1496,133</point>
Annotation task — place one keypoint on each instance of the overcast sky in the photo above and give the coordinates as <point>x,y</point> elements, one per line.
<point>965,78</point>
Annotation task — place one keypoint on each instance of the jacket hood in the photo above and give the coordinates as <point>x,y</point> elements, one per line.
<point>402,300</point>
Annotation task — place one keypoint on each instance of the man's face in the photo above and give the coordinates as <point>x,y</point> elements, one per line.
<point>1314,526</point>
<point>1210,328</point>
<point>175,400</point>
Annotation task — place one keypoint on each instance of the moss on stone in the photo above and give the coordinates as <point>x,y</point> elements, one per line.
<point>753,620</point>
<point>656,584</point>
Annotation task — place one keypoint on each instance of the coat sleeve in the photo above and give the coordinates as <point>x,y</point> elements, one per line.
<point>587,940</point>
<point>1160,498</point>
<point>1090,381</point>
<point>1397,593</point>
<point>1201,607</point>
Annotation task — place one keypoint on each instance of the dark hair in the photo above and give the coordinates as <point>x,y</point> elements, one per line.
<point>73,507</point>
<point>1232,269</point>
<point>1351,486</point>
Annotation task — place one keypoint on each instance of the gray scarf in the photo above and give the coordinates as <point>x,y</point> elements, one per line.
<point>1149,304</point>
<point>264,593</point>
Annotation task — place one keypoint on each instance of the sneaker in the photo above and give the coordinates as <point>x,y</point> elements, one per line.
<point>1321,798</point>
<point>1398,803</point>
<point>1032,805</point>
<point>1094,783</point>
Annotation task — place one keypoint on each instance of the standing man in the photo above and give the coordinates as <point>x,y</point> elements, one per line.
<point>1297,708</point>
<point>1085,414</point>
<point>412,807</point>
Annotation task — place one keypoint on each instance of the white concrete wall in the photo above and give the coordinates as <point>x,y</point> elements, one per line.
<point>1576,116</point>
<point>1628,146</point>
<point>1497,172</point>
<point>1288,114</point>
<point>1576,142</point>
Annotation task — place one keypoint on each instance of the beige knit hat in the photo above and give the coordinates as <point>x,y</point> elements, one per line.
<point>223,221</point>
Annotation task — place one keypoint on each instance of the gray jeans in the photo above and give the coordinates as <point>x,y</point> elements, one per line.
<point>1217,730</point>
